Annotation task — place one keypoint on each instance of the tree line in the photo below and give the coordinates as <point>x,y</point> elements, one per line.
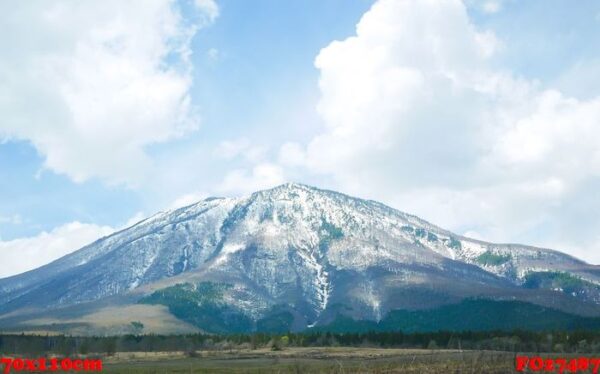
<point>515,341</point>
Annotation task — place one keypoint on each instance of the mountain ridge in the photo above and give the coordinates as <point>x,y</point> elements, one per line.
<point>307,250</point>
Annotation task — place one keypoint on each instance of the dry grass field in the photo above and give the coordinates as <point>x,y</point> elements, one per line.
<point>314,360</point>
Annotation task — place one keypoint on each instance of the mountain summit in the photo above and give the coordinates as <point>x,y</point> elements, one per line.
<point>287,258</point>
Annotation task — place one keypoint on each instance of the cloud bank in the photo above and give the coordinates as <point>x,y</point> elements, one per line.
<point>417,114</point>
<point>91,84</point>
<point>20,255</point>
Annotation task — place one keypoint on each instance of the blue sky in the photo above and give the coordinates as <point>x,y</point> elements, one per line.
<point>479,116</point>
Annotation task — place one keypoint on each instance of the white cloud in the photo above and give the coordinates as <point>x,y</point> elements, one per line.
<point>261,176</point>
<point>559,136</point>
<point>20,255</point>
<point>210,8</point>
<point>486,6</point>
<point>491,7</point>
<point>136,218</point>
<point>292,154</point>
<point>417,114</point>
<point>188,199</point>
<point>406,88</point>
<point>91,84</point>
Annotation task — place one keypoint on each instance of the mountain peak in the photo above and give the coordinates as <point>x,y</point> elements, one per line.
<point>287,191</point>
<point>293,186</point>
<point>304,252</point>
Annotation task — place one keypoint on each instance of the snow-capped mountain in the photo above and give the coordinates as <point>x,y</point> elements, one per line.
<point>294,251</point>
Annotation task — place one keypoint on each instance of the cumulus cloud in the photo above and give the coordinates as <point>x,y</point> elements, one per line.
<point>91,84</point>
<point>20,255</point>
<point>417,114</point>
<point>408,87</point>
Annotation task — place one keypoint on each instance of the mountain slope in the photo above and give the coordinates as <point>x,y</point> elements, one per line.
<point>297,251</point>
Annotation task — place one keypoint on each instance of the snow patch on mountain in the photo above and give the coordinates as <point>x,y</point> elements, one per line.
<point>293,245</point>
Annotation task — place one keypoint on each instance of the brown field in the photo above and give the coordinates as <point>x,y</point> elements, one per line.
<point>113,320</point>
<point>313,360</point>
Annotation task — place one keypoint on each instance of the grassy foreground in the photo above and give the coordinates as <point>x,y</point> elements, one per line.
<point>314,360</point>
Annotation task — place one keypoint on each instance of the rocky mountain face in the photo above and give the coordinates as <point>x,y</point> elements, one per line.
<point>291,257</point>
